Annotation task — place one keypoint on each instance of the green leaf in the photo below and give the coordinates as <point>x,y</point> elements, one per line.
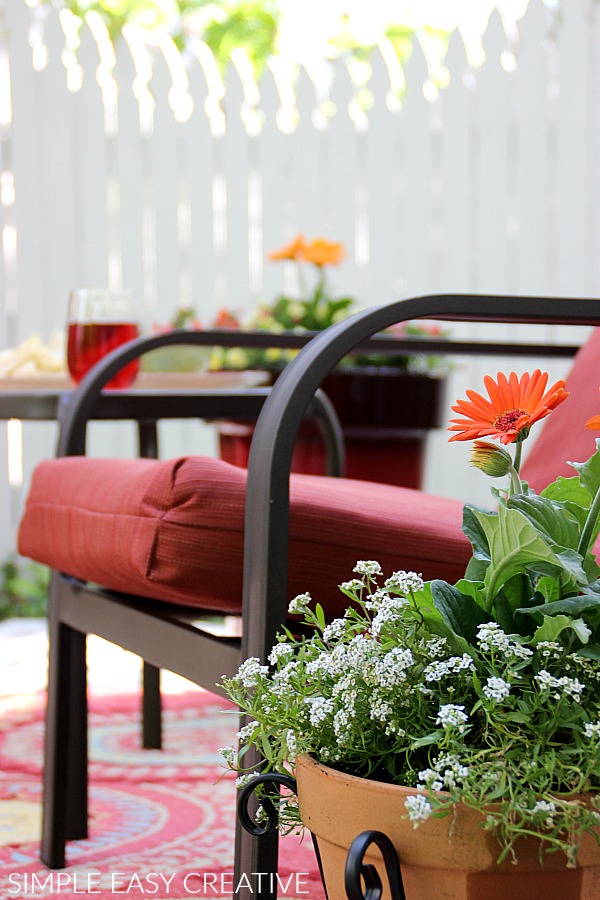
<point>592,651</point>
<point>553,626</point>
<point>549,588</point>
<point>581,630</point>
<point>573,566</point>
<point>552,520</point>
<point>436,622</point>
<point>589,472</point>
<point>434,738</point>
<point>460,612</point>
<point>516,547</point>
<point>320,615</point>
<point>476,569</point>
<point>473,529</point>
<point>519,717</point>
<point>588,599</point>
<point>518,591</point>
<point>590,566</point>
<point>471,587</point>
<point>572,494</point>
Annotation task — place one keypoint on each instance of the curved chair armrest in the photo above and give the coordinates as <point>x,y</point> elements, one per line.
<point>266,545</point>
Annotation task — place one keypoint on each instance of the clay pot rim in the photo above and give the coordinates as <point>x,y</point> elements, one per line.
<point>371,784</point>
<point>310,762</point>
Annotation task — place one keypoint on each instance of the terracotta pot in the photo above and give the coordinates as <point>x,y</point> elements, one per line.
<point>385,414</point>
<point>452,858</point>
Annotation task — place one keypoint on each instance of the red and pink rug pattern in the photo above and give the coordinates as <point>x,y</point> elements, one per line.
<point>161,821</point>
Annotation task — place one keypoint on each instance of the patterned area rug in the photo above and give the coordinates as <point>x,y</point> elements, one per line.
<point>161,822</point>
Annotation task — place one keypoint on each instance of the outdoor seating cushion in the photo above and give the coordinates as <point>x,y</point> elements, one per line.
<point>563,436</point>
<point>173,530</point>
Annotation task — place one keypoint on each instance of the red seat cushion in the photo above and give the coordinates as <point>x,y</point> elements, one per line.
<point>173,530</point>
<point>563,437</point>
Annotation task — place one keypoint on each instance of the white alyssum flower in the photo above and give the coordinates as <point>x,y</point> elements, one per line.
<point>381,710</point>
<point>368,567</point>
<point>447,772</point>
<point>341,726</point>
<point>291,742</point>
<point>550,648</point>
<point>386,615</point>
<point>376,600</point>
<point>299,604</point>
<point>592,730</point>
<point>491,637</point>
<point>281,681</point>
<point>565,686</point>
<point>360,653</point>
<point>451,715</point>
<point>334,630</point>
<point>392,669</point>
<point>545,808</point>
<point>228,753</point>
<point>432,779</point>
<point>405,582</point>
<point>418,808</point>
<point>320,709</point>
<point>496,689</point>
<point>438,669</point>
<point>261,816</point>
<point>242,780</point>
<point>250,673</point>
<point>279,651</point>
<point>433,647</point>
<point>246,732</point>
<point>355,584</point>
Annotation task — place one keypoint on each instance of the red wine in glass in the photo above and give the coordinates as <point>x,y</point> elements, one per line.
<point>88,342</point>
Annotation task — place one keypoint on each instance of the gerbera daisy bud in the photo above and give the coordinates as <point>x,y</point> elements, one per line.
<point>491,459</point>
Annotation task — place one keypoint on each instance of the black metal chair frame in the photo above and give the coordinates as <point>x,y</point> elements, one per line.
<point>166,637</point>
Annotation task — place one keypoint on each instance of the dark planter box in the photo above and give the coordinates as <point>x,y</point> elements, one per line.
<point>385,415</point>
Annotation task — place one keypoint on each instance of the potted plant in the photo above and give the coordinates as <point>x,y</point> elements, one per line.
<point>386,403</point>
<point>461,720</point>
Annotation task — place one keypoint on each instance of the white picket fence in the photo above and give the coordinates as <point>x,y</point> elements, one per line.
<point>493,187</point>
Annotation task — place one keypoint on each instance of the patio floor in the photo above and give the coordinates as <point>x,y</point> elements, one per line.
<point>23,662</point>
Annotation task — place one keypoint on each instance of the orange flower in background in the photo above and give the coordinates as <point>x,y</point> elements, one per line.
<point>594,422</point>
<point>322,252</point>
<point>294,250</point>
<point>514,405</point>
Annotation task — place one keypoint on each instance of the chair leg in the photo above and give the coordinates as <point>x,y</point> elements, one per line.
<point>77,776</point>
<point>151,708</point>
<point>65,799</point>
<point>255,864</point>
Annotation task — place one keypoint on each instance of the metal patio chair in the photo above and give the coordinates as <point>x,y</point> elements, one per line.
<point>164,634</point>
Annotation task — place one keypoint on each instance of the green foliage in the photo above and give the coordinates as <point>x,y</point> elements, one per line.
<point>486,692</point>
<point>23,588</point>
<point>256,27</point>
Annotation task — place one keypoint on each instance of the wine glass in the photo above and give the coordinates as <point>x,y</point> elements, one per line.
<point>100,319</point>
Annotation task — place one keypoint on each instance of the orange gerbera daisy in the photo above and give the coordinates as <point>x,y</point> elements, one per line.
<point>294,250</point>
<point>322,252</point>
<point>594,422</point>
<point>514,405</point>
